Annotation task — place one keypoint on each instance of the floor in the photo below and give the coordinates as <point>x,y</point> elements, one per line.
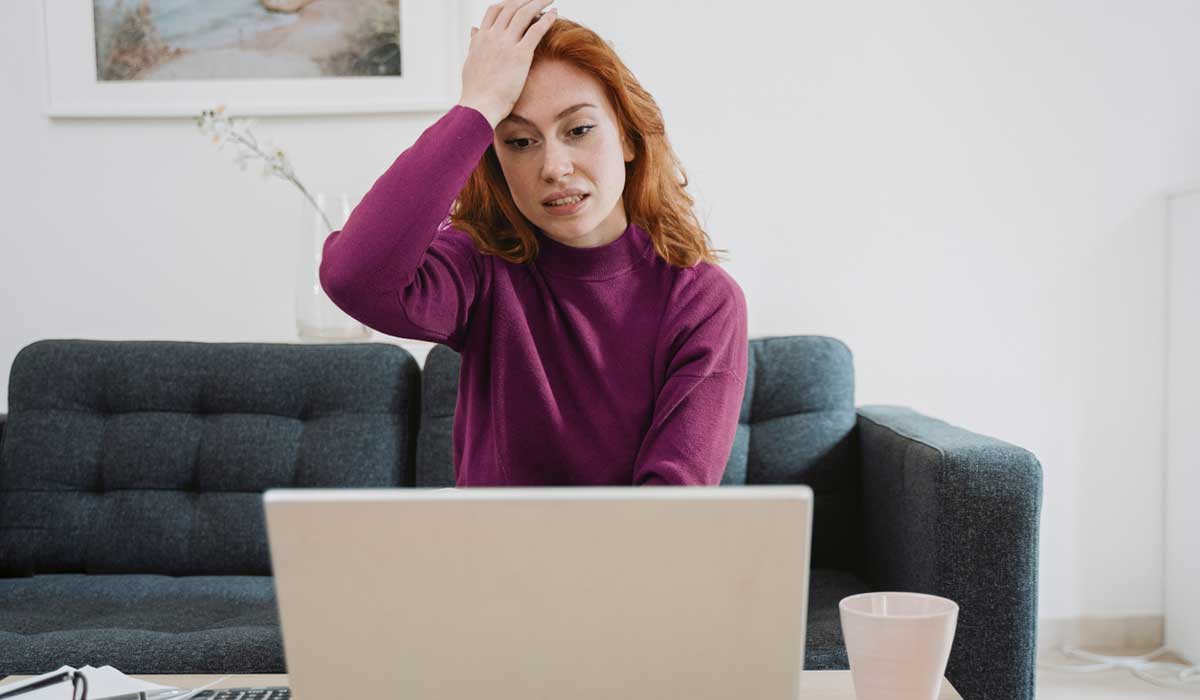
<point>1112,684</point>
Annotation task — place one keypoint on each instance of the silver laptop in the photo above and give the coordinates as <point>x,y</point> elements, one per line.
<point>585,593</point>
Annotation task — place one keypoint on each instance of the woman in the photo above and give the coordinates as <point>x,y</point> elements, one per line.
<point>600,344</point>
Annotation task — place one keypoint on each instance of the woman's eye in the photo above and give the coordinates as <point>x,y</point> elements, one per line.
<point>517,144</point>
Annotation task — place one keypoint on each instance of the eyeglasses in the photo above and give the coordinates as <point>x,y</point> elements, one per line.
<point>78,685</point>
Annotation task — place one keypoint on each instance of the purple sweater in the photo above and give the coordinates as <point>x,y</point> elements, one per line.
<point>586,366</point>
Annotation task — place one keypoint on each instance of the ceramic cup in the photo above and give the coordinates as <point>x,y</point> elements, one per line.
<point>898,643</point>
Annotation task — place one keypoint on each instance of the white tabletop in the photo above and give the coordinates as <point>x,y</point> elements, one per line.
<point>816,685</point>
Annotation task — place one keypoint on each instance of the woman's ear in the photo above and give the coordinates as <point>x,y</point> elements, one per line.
<point>628,149</point>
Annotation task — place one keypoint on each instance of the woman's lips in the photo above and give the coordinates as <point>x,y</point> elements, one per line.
<point>567,209</point>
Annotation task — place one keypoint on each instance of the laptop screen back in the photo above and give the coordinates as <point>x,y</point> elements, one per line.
<point>587,593</point>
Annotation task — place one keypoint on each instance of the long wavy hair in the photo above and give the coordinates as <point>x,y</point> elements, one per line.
<point>654,197</point>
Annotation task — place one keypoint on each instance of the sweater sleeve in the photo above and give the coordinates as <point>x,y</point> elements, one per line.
<point>396,265</point>
<point>696,411</point>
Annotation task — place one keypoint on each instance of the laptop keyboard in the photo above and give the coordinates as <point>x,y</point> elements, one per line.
<point>264,693</point>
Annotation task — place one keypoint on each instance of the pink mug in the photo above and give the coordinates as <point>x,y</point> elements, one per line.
<point>898,643</point>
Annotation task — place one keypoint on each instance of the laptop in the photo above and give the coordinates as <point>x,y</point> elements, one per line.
<point>507,593</point>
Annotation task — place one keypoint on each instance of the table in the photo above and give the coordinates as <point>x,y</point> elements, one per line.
<point>817,685</point>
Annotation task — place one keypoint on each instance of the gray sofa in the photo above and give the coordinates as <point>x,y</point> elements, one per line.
<point>132,534</point>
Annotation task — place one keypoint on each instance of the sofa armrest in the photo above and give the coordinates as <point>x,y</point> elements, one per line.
<point>956,514</point>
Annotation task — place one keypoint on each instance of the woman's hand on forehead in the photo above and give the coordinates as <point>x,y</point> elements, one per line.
<point>500,55</point>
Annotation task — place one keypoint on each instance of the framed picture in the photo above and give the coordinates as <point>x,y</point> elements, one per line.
<point>162,58</point>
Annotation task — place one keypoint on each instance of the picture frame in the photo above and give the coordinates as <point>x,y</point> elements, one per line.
<point>430,59</point>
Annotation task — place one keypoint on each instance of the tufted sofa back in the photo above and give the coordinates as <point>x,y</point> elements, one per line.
<point>797,426</point>
<point>151,456</point>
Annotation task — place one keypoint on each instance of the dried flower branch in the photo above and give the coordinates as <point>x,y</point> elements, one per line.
<point>225,129</point>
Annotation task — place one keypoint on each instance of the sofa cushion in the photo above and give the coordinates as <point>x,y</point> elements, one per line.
<point>140,623</point>
<point>798,426</point>
<point>229,624</point>
<point>151,456</point>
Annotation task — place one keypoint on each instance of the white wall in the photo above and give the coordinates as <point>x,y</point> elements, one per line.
<point>970,195</point>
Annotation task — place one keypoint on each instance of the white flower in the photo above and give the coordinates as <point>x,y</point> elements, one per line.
<point>225,129</point>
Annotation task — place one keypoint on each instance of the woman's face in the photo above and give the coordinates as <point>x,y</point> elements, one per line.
<point>545,146</point>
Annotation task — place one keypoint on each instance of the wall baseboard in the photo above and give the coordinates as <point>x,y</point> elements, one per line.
<point>1118,633</point>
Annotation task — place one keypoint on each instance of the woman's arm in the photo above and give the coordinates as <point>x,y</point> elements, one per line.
<point>696,411</point>
<point>695,421</point>
<point>395,265</point>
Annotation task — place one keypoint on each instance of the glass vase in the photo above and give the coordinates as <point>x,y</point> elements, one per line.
<point>319,320</point>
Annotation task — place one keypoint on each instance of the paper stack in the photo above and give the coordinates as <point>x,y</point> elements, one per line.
<point>101,683</point>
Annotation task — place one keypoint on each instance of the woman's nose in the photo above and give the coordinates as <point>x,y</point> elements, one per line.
<point>557,163</point>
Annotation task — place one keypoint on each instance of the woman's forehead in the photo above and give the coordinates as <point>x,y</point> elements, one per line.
<point>553,86</point>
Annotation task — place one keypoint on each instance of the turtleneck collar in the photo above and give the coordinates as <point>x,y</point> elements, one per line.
<point>631,248</point>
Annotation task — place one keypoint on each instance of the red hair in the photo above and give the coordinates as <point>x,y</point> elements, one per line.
<point>654,197</point>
